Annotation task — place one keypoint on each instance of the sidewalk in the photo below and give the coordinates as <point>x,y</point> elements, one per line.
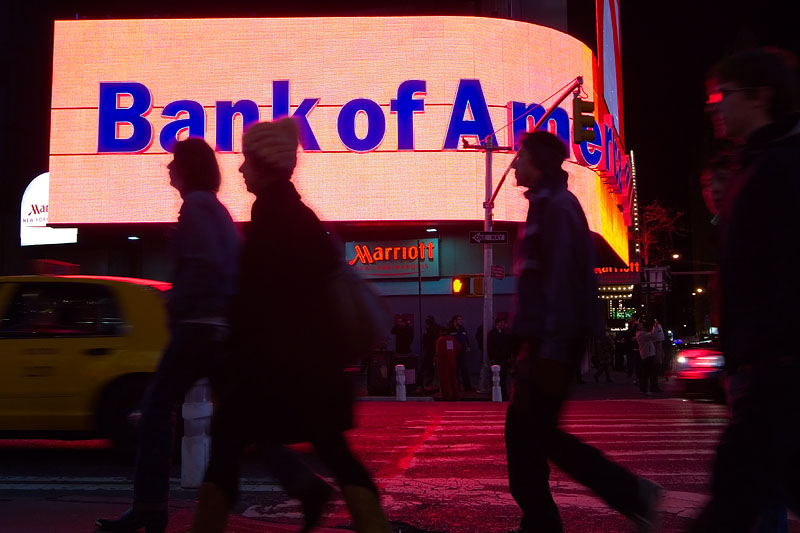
<point>621,388</point>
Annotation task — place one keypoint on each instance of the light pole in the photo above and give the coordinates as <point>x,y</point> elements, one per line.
<point>484,384</point>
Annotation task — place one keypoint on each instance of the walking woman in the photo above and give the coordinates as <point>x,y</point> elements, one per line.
<point>286,376</point>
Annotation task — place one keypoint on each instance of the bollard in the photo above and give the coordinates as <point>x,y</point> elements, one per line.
<point>400,383</point>
<point>497,392</point>
<point>196,442</point>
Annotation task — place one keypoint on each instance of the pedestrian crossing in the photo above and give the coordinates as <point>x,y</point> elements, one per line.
<point>441,466</point>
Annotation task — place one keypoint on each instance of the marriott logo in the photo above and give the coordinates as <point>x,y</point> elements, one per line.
<point>364,255</point>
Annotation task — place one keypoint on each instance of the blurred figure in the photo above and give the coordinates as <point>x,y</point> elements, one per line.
<point>403,331</point>
<point>498,346</point>
<point>427,377</point>
<point>633,361</point>
<point>206,251</point>
<point>460,333</point>
<point>753,100</point>
<point>557,312</point>
<point>648,376</point>
<point>287,381</point>
<point>658,343</point>
<point>447,352</point>
<point>602,349</point>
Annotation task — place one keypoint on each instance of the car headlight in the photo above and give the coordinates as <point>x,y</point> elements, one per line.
<point>681,359</point>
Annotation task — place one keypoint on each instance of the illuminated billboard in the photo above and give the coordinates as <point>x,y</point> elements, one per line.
<point>383,104</point>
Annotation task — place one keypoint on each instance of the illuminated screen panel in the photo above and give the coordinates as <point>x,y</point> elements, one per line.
<point>386,102</point>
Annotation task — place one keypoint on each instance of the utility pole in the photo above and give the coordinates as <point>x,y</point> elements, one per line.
<point>484,384</point>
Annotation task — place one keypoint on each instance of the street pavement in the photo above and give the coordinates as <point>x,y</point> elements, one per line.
<point>440,467</point>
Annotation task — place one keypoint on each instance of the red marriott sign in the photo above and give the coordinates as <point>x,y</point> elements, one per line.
<point>395,259</point>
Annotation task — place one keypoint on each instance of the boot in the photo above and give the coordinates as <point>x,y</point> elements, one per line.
<point>212,510</point>
<point>153,521</point>
<point>365,509</point>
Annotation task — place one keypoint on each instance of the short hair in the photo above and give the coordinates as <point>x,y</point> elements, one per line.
<point>197,165</point>
<point>547,151</point>
<point>772,68</point>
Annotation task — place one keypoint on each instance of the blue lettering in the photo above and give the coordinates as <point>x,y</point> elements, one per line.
<point>405,106</point>
<point>111,115</point>
<point>526,118</point>
<point>591,152</point>
<point>226,111</point>
<point>469,95</point>
<point>195,122</point>
<point>376,125</point>
<point>280,109</point>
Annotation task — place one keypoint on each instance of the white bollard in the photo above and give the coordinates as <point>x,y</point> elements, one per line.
<point>497,392</point>
<point>400,383</point>
<point>196,442</point>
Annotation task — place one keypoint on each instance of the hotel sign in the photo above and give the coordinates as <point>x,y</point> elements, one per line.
<point>394,259</point>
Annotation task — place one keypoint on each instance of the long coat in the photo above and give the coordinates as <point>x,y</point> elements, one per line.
<point>287,375</point>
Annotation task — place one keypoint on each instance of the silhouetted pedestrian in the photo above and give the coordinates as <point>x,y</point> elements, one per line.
<point>447,352</point>
<point>498,344</point>
<point>206,250</point>
<point>460,333</point>
<point>753,98</point>
<point>557,311</point>
<point>287,380</point>
<point>648,375</point>
<point>428,375</point>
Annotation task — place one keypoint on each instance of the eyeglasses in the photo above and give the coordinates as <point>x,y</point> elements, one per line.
<point>717,96</point>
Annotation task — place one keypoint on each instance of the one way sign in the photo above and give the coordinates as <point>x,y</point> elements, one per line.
<point>491,237</point>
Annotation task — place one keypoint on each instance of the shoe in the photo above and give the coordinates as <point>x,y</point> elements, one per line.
<point>133,520</point>
<point>657,390</point>
<point>365,508</point>
<point>647,393</point>
<point>646,515</point>
<point>314,503</point>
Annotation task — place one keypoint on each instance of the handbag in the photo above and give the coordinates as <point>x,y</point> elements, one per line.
<point>359,314</point>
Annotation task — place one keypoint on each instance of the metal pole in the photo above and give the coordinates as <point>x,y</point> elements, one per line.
<point>484,384</point>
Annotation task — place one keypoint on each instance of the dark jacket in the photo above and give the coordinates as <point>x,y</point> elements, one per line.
<point>557,290</point>
<point>287,365</point>
<point>759,251</point>
<point>206,259</point>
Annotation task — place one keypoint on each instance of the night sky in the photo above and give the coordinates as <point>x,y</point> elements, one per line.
<point>667,48</point>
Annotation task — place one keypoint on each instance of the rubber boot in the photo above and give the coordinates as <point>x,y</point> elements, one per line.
<point>365,509</point>
<point>212,510</point>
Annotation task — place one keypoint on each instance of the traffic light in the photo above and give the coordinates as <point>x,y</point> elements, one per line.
<point>477,285</point>
<point>461,285</point>
<point>582,120</point>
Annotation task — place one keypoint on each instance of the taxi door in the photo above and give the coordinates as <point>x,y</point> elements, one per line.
<point>54,337</point>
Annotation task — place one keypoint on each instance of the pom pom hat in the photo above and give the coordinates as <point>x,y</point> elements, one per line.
<point>272,146</point>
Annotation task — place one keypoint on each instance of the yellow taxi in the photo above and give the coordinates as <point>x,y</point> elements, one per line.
<point>76,352</point>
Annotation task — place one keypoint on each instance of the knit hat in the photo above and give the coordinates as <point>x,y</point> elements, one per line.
<point>272,145</point>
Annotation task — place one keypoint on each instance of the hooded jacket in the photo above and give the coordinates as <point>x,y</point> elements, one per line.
<point>557,290</point>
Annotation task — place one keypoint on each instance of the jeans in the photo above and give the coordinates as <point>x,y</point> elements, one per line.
<point>539,388</point>
<point>648,375</point>
<point>194,351</point>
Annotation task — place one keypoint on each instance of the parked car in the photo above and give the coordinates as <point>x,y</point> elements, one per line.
<point>700,370</point>
<point>76,352</point>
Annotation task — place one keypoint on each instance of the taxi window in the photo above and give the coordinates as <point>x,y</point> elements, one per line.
<point>61,310</point>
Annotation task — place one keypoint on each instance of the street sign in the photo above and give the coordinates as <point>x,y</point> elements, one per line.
<point>491,237</point>
<point>498,272</point>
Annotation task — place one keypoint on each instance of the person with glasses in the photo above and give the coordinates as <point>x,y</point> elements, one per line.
<point>753,101</point>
